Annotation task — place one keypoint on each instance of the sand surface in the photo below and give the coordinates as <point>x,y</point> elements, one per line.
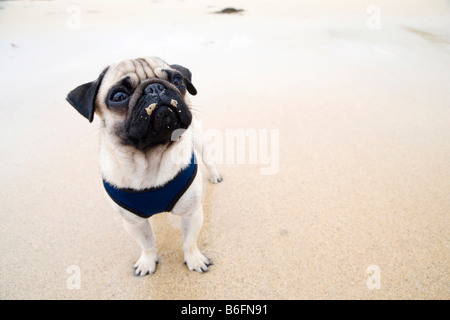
<point>361,108</point>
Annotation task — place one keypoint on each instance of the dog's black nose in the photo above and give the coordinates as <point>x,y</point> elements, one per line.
<point>155,89</point>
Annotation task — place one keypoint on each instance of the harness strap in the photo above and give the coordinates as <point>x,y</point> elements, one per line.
<point>148,202</point>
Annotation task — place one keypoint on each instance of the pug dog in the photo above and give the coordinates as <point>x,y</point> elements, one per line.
<point>147,159</point>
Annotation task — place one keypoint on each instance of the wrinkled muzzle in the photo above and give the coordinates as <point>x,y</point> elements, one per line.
<point>156,111</point>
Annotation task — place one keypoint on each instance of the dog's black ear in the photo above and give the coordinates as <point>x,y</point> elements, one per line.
<point>82,98</point>
<point>187,75</point>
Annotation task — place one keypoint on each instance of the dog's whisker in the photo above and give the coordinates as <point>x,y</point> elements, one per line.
<point>197,110</point>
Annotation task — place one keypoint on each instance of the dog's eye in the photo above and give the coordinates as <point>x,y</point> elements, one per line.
<point>178,81</point>
<point>119,96</point>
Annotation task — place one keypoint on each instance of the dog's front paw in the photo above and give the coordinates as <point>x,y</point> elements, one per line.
<point>196,261</point>
<point>215,178</point>
<point>146,264</point>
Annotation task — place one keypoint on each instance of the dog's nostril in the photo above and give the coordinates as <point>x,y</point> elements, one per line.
<point>154,88</point>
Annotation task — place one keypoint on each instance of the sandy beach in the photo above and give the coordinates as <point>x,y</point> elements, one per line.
<point>344,195</point>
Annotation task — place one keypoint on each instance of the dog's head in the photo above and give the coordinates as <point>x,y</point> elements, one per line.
<point>142,101</point>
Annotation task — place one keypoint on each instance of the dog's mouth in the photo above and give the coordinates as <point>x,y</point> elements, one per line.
<point>164,119</point>
<point>158,117</point>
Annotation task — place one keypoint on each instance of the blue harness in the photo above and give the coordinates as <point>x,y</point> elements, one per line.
<point>148,202</point>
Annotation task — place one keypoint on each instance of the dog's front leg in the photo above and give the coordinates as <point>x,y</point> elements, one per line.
<point>191,226</point>
<point>141,231</point>
<point>203,150</point>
